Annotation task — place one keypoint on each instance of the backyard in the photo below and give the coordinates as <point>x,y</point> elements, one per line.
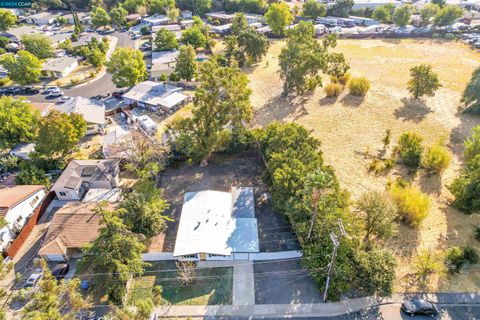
<point>211,286</point>
<point>351,130</point>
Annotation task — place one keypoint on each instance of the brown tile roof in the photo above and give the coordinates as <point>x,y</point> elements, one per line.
<point>72,226</point>
<point>10,196</point>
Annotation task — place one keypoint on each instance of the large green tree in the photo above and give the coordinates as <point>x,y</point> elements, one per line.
<point>239,24</point>
<point>118,17</point>
<point>114,256</point>
<point>222,99</point>
<point>379,214</point>
<point>194,37</point>
<point>313,9</point>
<point>186,66</point>
<point>24,67</point>
<point>447,15</point>
<point>100,17</point>
<point>278,17</point>
<point>471,95</point>
<point>341,8</point>
<point>382,14</point>
<point>423,81</point>
<point>157,6</point>
<point>58,134</point>
<point>18,122</point>
<point>54,300</point>
<point>428,12</point>
<point>127,67</point>
<point>401,16</point>
<point>143,209</point>
<point>303,58</point>
<point>7,19</point>
<point>38,45</point>
<point>165,40</point>
<point>172,13</point>
<point>254,44</point>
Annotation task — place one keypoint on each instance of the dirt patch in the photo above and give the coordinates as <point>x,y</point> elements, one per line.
<point>351,130</point>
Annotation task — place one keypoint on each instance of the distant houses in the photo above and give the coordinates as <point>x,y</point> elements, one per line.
<point>43,18</point>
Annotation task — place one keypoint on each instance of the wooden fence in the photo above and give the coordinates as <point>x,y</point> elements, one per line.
<point>16,245</point>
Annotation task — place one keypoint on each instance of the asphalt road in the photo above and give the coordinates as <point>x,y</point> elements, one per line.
<point>387,312</point>
<point>98,87</point>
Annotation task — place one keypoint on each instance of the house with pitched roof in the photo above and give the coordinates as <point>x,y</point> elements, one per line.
<point>72,227</point>
<point>81,177</point>
<point>92,111</point>
<point>155,96</point>
<point>17,204</point>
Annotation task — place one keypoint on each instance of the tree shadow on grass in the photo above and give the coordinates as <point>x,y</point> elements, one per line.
<point>412,110</point>
<point>279,108</point>
<point>430,183</point>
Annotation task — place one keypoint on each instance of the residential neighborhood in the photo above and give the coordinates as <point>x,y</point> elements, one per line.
<point>303,159</point>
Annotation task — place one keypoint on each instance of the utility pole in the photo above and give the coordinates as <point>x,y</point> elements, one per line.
<point>336,243</point>
<point>332,261</point>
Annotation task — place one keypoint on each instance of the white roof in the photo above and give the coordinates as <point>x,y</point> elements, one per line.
<point>58,64</point>
<point>155,94</point>
<point>209,224</point>
<point>92,111</point>
<point>147,122</point>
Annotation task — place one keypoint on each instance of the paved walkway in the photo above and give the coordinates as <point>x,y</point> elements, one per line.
<point>308,310</point>
<point>243,283</point>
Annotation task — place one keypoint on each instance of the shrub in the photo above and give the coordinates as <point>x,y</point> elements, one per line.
<point>333,90</point>
<point>359,86</point>
<point>410,149</point>
<point>470,254</point>
<point>449,36</point>
<point>436,159</point>
<point>454,260</point>
<point>163,77</point>
<point>74,81</point>
<point>344,79</point>
<point>476,233</point>
<point>174,77</point>
<point>376,166</point>
<point>388,163</point>
<point>413,205</point>
<point>145,31</point>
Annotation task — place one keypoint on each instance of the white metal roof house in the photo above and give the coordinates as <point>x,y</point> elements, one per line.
<point>80,176</point>
<point>216,225</point>
<point>186,14</point>
<point>92,111</point>
<point>58,67</point>
<point>43,18</point>
<point>155,95</point>
<point>163,62</point>
<point>155,20</point>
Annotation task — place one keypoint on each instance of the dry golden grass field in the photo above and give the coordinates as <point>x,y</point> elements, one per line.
<point>349,127</point>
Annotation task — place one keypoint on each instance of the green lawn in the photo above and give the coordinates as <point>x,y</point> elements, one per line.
<point>215,289</point>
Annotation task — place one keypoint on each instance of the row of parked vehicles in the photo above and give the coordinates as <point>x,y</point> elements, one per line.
<point>50,92</point>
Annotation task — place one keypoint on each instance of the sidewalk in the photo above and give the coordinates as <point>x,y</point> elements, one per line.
<point>308,310</point>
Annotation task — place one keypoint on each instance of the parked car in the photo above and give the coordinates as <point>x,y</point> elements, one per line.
<point>48,90</point>
<point>60,270</point>
<point>100,96</point>
<point>34,278</point>
<point>30,90</point>
<point>54,94</point>
<point>419,306</point>
<point>118,94</point>
<point>13,90</point>
<point>64,99</point>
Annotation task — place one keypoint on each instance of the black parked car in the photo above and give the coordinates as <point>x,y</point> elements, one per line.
<point>419,306</point>
<point>60,270</point>
<point>30,90</point>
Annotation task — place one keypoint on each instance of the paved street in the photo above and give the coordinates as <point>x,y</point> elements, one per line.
<point>387,312</point>
<point>99,86</point>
